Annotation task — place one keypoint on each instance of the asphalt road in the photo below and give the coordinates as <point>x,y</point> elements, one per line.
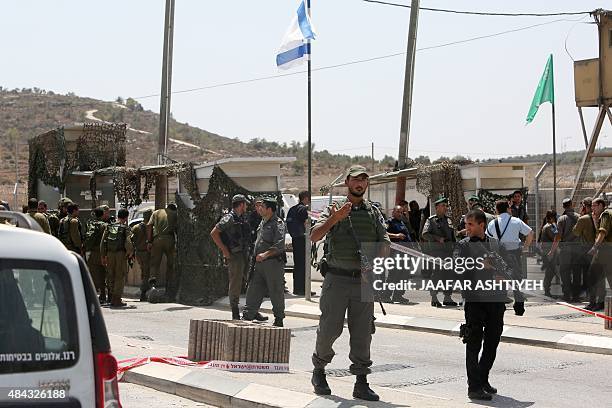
<point>406,360</point>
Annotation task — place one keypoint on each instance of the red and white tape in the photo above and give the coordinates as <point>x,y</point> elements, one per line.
<point>131,363</point>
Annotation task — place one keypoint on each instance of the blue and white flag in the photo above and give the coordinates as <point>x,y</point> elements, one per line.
<point>295,48</point>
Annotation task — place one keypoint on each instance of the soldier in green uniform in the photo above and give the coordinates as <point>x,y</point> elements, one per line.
<point>93,237</point>
<point>70,230</point>
<point>62,211</point>
<point>161,229</point>
<point>269,267</point>
<point>38,217</point>
<point>139,238</point>
<point>439,232</point>
<point>232,237</point>
<point>345,225</point>
<point>115,248</point>
<point>602,248</point>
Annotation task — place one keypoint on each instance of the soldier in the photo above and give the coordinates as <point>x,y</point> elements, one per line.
<point>473,204</point>
<point>345,225</point>
<point>439,232</point>
<point>269,266</point>
<point>139,239</point>
<point>38,217</point>
<point>297,220</point>
<point>399,233</point>
<point>54,219</point>
<point>569,252</point>
<point>602,249</point>
<point>115,248</point>
<point>93,237</point>
<point>232,236</point>
<point>43,208</point>
<point>70,230</point>
<point>161,230</point>
<point>484,309</point>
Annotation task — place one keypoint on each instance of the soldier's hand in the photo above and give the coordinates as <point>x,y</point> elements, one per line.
<point>260,258</point>
<point>342,212</point>
<point>401,236</point>
<point>226,253</point>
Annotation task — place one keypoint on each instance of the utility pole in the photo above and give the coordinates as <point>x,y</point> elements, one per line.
<point>400,191</point>
<point>372,172</point>
<point>161,182</point>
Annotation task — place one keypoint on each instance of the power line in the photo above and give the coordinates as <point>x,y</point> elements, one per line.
<point>482,13</point>
<point>359,61</point>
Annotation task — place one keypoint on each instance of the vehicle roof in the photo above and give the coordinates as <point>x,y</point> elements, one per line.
<point>21,243</point>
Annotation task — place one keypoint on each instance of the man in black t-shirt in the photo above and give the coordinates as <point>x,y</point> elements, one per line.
<point>297,217</point>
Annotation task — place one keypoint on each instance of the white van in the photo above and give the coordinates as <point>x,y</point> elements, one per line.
<point>54,347</point>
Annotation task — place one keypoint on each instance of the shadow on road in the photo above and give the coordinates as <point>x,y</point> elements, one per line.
<point>502,401</point>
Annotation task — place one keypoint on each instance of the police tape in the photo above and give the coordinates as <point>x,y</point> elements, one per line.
<point>236,366</point>
<point>413,252</point>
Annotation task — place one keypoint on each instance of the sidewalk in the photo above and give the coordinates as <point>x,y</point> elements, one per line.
<point>544,323</point>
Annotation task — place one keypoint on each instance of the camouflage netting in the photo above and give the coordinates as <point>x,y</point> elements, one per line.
<point>201,271</point>
<point>52,158</point>
<point>488,199</point>
<point>443,179</point>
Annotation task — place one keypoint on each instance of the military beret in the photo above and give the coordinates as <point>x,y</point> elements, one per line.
<point>239,198</point>
<point>441,200</point>
<point>270,200</point>
<point>356,170</point>
<point>473,197</point>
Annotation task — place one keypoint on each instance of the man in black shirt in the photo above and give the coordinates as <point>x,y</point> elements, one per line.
<point>399,232</point>
<point>297,217</point>
<point>484,309</point>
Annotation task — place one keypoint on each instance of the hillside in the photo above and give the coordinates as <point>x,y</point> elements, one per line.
<point>25,113</point>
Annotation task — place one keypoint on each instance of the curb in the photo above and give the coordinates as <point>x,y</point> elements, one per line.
<point>219,391</point>
<point>555,339</point>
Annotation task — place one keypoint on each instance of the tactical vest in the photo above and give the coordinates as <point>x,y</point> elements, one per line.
<point>237,236</point>
<point>63,233</point>
<point>93,236</point>
<point>115,237</point>
<point>341,248</point>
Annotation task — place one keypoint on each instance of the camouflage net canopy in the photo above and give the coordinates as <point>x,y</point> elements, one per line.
<point>53,158</point>
<point>128,182</point>
<point>488,199</point>
<point>200,266</point>
<point>443,179</point>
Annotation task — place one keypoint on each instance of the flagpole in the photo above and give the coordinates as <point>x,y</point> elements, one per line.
<point>307,274</point>
<point>554,156</point>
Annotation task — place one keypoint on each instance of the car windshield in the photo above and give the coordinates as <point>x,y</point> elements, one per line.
<point>38,329</point>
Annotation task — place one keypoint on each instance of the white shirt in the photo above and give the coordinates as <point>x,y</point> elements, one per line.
<point>513,227</point>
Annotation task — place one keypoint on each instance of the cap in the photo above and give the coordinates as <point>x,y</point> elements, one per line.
<point>258,200</point>
<point>356,170</point>
<point>271,200</point>
<point>239,198</point>
<point>441,200</point>
<point>567,200</point>
<point>473,197</point>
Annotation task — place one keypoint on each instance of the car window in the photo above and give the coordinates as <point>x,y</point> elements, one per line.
<point>38,329</point>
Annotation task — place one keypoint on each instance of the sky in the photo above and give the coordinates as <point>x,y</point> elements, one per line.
<point>469,99</point>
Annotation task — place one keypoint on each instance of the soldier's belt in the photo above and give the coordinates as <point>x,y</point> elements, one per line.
<point>350,273</point>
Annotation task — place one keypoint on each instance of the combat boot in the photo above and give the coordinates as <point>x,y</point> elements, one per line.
<point>319,382</point>
<point>480,395</point>
<point>363,391</point>
<point>235,313</point>
<point>278,322</point>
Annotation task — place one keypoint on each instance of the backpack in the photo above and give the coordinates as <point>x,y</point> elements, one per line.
<point>63,232</point>
<point>93,236</point>
<point>116,237</point>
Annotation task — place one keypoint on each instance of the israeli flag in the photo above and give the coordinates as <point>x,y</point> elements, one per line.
<point>295,48</point>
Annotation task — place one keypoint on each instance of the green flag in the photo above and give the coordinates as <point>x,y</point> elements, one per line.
<point>545,91</point>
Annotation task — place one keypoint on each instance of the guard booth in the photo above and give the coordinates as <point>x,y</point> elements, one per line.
<point>62,161</point>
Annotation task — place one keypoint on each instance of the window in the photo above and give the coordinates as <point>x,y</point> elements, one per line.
<point>38,329</point>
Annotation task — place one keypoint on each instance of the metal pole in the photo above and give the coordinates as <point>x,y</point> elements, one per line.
<point>537,197</point>
<point>308,276</point>
<point>16,190</point>
<point>400,191</point>
<point>372,169</point>
<point>554,157</point>
<point>161,187</point>
<point>584,134</point>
